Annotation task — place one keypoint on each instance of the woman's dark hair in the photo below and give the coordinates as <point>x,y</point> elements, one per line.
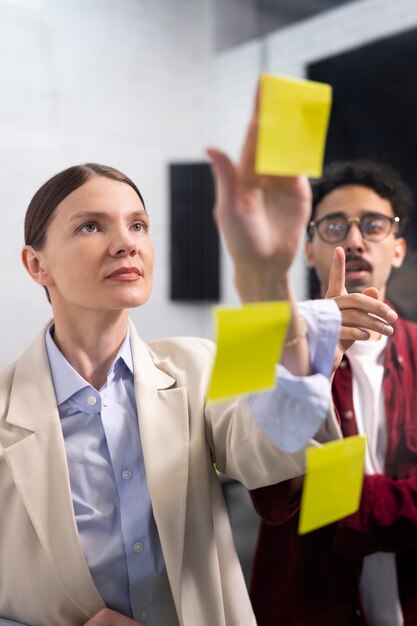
<point>43,204</point>
<point>383,179</point>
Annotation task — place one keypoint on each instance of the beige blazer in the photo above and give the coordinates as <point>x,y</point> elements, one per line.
<point>44,577</point>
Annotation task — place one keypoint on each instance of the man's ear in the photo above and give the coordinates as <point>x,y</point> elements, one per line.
<point>33,262</point>
<point>308,248</point>
<point>400,249</point>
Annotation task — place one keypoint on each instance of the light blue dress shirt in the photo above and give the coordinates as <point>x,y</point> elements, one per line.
<point>293,412</point>
<point>110,494</point>
<point>109,489</point>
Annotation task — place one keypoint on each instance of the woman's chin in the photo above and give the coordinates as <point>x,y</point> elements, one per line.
<point>130,301</point>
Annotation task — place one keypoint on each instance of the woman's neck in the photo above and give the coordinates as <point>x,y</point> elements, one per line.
<point>90,340</point>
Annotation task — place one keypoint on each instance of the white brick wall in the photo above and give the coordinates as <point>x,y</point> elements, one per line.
<point>120,83</point>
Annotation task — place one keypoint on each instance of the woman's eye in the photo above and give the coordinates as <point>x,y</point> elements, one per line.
<point>138,227</point>
<point>89,228</point>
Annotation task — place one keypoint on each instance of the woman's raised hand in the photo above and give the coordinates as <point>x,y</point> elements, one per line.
<point>262,219</point>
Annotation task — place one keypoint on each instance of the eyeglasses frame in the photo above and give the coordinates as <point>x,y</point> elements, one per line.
<point>350,221</point>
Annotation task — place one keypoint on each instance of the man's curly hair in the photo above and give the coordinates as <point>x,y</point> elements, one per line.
<point>383,179</point>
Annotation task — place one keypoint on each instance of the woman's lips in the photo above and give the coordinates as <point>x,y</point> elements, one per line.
<point>125,274</point>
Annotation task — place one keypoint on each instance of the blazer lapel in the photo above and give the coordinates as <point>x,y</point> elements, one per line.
<point>164,428</point>
<point>36,459</point>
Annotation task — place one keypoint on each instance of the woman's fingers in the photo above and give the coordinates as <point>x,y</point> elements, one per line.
<point>225,181</point>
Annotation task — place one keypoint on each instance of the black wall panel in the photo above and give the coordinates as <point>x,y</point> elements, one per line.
<point>374,115</point>
<point>194,241</point>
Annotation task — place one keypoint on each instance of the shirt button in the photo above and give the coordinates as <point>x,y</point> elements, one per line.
<point>138,546</point>
<point>343,364</point>
<point>91,400</point>
<point>144,616</point>
<point>127,474</point>
<point>105,401</point>
<point>348,415</point>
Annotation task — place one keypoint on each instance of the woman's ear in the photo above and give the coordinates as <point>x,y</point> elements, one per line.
<point>33,262</point>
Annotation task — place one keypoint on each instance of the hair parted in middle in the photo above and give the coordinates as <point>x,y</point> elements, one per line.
<point>42,207</point>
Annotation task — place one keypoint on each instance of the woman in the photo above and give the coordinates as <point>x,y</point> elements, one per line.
<point>107,450</point>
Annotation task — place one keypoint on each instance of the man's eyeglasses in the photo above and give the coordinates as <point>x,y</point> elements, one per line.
<point>334,228</point>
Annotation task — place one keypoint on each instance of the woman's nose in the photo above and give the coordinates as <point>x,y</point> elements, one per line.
<point>123,244</point>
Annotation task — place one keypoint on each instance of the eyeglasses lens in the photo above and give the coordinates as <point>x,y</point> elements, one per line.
<point>372,227</point>
<point>375,228</point>
<point>333,230</point>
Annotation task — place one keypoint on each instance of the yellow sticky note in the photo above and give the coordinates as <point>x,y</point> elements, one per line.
<point>333,482</point>
<point>249,345</point>
<point>293,119</point>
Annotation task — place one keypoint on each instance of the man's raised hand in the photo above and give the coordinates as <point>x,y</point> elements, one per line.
<point>363,314</point>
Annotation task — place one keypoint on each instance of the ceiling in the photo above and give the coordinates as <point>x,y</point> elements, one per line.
<point>238,21</point>
<point>298,9</point>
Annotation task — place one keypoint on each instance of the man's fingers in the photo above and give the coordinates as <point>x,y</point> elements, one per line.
<point>368,304</point>
<point>354,319</point>
<point>352,334</point>
<point>337,274</point>
<point>372,292</point>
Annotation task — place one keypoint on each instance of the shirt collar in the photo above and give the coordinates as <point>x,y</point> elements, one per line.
<point>67,381</point>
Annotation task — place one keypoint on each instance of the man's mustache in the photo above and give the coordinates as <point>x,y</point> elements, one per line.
<point>356,263</point>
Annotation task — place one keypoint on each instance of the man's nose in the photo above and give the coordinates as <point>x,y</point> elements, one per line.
<point>354,239</point>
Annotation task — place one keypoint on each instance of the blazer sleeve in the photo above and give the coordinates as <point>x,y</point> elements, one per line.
<point>274,503</point>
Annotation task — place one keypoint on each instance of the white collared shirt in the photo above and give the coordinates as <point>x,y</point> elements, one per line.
<point>378,583</point>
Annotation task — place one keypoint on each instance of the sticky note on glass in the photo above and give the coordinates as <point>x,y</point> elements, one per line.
<point>292,126</point>
<point>333,482</point>
<point>249,341</point>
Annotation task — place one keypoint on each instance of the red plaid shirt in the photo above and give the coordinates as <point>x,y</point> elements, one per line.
<point>312,580</point>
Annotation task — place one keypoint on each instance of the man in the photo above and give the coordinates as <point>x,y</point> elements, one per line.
<point>363,569</point>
